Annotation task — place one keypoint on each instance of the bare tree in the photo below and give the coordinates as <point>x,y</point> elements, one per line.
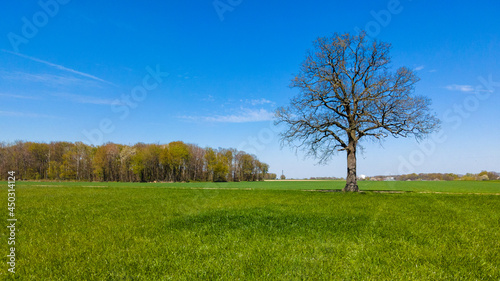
<point>347,92</point>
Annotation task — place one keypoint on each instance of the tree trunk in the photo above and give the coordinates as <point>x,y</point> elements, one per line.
<point>351,181</point>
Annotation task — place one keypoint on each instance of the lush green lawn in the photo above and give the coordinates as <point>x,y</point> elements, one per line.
<point>261,231</point>
<point>415,186</point>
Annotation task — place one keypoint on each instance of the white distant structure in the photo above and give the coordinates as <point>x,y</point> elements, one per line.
<point>362,177</point>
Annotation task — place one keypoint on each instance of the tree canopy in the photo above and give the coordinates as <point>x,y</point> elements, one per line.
<point>348,93</point>
<point>176,161</point>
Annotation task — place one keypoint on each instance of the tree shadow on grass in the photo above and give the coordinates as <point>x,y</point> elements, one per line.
<point>362,191</point>
<point>269,222</point>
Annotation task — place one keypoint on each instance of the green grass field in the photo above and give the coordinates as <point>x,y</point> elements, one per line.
<point>255,231</point>
<point>414,186</point>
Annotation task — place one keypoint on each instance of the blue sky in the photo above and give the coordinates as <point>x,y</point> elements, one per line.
<point>213,72</point>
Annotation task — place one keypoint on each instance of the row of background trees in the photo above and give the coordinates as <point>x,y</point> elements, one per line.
<point>482,176</point>
<point>176,161</point>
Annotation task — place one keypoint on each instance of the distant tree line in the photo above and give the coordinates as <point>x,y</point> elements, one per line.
<point>270,176</point>
<point>326,178</point>
<point>484,175</point>
<point>176,161</point>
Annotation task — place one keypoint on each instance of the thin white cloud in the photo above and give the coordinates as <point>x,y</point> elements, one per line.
<point>209,98</point>
<point>460,88</point>
<point>44,78</point>
<point>86,99</point>
<point>418,68</point>
<point>259,101</point>
<point>60,67</point>
<point>245,116</point>
<point>18,96</point>
<point>25,114</point>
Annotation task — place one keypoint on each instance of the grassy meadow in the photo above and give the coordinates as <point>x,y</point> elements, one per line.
<point>255,231</point>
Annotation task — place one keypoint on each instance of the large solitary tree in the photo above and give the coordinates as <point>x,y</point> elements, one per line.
<point>348,93</point>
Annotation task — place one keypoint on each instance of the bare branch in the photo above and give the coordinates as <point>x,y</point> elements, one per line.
<point>347,92</point>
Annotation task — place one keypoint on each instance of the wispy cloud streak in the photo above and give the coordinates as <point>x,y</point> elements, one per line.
<point>46,78</point>
<point>25,114</point>
<point>465,88</point>
<point>259,101</point>
<point>86,99</point>
<point>246,116</point>
<point>460,88</point>
<point>60,67</point>
<point>18,96</point>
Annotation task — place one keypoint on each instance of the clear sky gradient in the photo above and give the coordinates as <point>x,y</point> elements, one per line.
<point>212,73</point>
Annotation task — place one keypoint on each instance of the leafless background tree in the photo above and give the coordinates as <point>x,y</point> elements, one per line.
<point>348,92</point>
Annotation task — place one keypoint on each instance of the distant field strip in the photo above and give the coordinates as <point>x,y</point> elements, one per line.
<point>467,187</point>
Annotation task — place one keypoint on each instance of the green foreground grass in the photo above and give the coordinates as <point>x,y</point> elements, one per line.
<point>256,231</point>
